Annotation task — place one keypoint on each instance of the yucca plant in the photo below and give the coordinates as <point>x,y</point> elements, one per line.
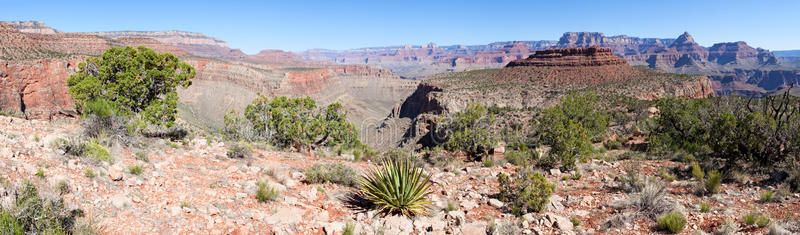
<point>399,187</point>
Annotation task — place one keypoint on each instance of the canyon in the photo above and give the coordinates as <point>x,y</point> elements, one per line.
<point>734,67</point>
<point>35,62</point>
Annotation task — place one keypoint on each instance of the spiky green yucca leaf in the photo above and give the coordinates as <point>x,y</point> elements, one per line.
<point>399,187</point>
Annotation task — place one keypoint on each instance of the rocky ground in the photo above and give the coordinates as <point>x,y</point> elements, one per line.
<point>194,188</point>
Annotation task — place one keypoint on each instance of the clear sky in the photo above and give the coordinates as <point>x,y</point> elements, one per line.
<point>297,25</point>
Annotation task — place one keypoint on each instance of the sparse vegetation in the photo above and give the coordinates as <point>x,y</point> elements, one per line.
<point>349,228</point>
<point>575,221</point>
<point>673,222</point>
<point>397,188</point>
<point>336,173</point>
<point>697,171</point>
<point>32,214</point>
<point>135,170</point>
<point>526,191</point>
<point>266,192</point>
<point>705,207</point>
<point>89,173</point>
<point>141,156</point>
<point>713,182</point>
<point>766,196</point>
<point>240,150</point>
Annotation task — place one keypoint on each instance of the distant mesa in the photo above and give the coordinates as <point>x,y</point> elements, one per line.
<point>576,56</point>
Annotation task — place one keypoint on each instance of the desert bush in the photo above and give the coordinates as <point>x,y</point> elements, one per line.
<point>615,143</point>
<point>132,81</point>
<point>525,191</point>
<point>575,221</point>
<point>580,108</point>
<point>292,122</point>
<point>697,171</point>
<point>336,173</point>
<point>652,199</point>
<point>266,192</point>
<point>673,222</point>
<point>135,170</point>
<point>469,131</point>
<point>756,218</point>
<point>73,146</point>
<point>705,207</point>
<point>397,188</point>
<point>239,150</point>
<point>97,152</point>
<point>569,127</point>
<point>762,132</point>
<point>766,196</point>
<point>32,214</point>
<point>713,182</point>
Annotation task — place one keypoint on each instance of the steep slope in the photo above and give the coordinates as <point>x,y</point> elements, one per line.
<point>34,68</point>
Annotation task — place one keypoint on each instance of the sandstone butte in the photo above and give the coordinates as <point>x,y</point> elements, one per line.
<point>542,78</point>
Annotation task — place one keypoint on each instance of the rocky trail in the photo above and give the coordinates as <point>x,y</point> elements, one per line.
<point>196,189</point>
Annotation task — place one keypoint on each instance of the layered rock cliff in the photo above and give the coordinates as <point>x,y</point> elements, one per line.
<point>34,68</point>
<point>539,80</point>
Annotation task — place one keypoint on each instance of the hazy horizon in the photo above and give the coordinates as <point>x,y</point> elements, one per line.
<point>299,26</point>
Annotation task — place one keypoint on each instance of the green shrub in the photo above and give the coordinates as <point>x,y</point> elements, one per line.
<point>766,196</point>
<point>266,192</point>
<point>131,81</point>
<point>762,132</point>
<point>713,182</point>
<point>349,228</point>
<point>240,150</point>
<point>451,206</point>
<point>90,173</point>
<point>750,218</point>
<point>135,170</point>
<point>762,221</point>
<point>580,108</point>
<point>336,173</point>
<point>32,214</point>
<point>292,122</point>
<point>697,171</point>
<point>705,207</point>
<point>141,156</point>
<point>575,221</point>
<point>755,218</point>
<point>666,175</point>
<point>570,144</point>
<point>40,174</point>
<point>569,127</point>
<point>673,222</point>
<point>469,131</point>
<point>613,144</point>
<point>9,224</point>
<point>522,157</point>
<point>528,191</point>
<point>97,152</point>
<point>72,146</point>
<point>399,187</point>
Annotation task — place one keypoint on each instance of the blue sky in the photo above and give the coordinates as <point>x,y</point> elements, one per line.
<point>297,25</point>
